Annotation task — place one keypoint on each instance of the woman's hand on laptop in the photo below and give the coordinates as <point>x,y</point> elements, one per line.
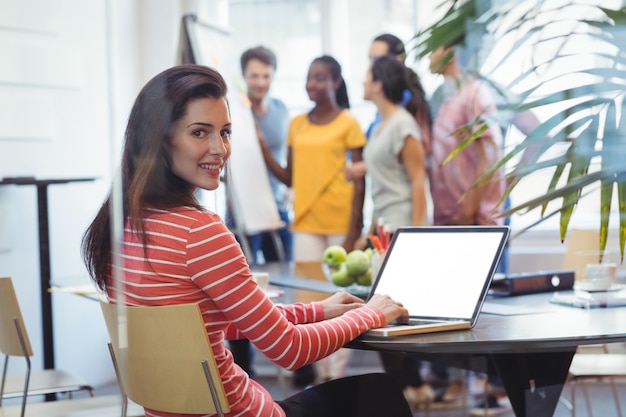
<point>392,310</point>
<point>339,303</point>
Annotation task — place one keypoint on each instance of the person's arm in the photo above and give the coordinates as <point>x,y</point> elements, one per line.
<point>526,122</point>
<point>469,206</point>
<point>219,269</point>
<point>355,171</point>
<point>423,123</point>
<point>413,160</point>
<point>356,218</point>
<point>361,243</point>
<point>283,174</point>
<point>486,150</point>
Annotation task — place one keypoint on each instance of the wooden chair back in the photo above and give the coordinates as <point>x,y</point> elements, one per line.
<point>14,341</point>
<point>580,242</point>
<point>10,311</point>
<point>164,359</point>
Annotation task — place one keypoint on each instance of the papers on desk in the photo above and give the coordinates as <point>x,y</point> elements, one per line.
<point>511,310</point>
<point>584,299</point>
<point>90,291</point>
<point>273,292</point>
<point>86,289</point>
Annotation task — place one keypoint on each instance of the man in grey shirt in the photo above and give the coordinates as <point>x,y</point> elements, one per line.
<point>272,119</point>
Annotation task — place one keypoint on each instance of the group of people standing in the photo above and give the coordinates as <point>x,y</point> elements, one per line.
<point>402,153</point>
<point>324,157</point>
<point>174,251</point>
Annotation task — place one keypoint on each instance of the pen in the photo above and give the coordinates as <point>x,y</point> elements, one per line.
<point>386,236</point>
<point>381,232</point>
<point>376,243</point>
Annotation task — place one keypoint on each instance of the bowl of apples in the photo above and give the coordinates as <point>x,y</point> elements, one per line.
<point>350,272</point>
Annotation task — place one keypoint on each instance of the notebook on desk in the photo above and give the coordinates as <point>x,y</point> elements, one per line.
<point>441,274</point>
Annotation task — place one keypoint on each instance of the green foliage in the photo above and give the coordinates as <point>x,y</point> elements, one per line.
<point>584,143</point>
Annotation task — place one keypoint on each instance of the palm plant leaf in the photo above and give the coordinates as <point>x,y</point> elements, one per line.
<point>617,16</point>
<point>621,198</point>
<point>536,222</point>
<point>448,28</point>
<point>536,141</point>
<point>584,142</point>
<point>573,186</point>
<point>606,195</point>
<point>473,132</point>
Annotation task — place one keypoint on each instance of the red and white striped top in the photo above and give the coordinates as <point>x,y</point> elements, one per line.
<point>192,257</point>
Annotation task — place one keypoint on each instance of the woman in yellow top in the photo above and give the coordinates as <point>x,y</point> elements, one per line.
<point>328,210</point>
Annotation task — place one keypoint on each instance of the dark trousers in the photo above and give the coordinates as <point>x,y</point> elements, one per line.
<point>370,395</point>
<point>403,367</point>
<point>242,354</point>
<point>264,242</point>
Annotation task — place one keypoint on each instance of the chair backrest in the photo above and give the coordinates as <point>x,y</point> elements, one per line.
<point>580,241</point>
<point>162,354</point>
<point>9,311</point>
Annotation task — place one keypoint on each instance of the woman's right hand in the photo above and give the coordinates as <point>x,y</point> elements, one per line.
<point>355,171</point>
<point>392,310</point>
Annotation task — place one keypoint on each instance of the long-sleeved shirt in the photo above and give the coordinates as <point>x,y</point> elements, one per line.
<point>191,257</point>
<point>448,183</point>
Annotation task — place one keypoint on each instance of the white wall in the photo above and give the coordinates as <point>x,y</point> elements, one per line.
<point>54,118</point>
<point>73,70</point>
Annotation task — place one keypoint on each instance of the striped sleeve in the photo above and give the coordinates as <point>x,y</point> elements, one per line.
<point>290,336</point>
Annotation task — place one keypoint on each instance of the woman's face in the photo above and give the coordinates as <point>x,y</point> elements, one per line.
<point>200,145</point>
<point>440,59</point>
<point>378,49</point>
<point>320,85</point>
<point>258,76</point>
<point>368,85</point>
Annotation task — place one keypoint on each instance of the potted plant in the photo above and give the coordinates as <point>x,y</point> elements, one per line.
<point>583,143</point>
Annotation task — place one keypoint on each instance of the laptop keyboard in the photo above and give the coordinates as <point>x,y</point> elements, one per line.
<point>418,322</point>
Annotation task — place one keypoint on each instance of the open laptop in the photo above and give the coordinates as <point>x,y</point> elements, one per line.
<point>441,274</point>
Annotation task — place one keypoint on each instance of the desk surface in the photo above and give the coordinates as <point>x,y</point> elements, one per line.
<point>540,326</point>
<point>552,327</point>
<point>530,352</point>
<point>530,346</point>
<point>301,275</point>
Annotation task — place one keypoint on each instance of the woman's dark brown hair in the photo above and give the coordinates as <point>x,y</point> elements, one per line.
<point>417,105</point>
<point>147,180</point>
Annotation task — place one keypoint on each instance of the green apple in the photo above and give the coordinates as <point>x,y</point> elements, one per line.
<point>340,276</point>
<point>357,262</point>
<point>369,252</point>
<point>334,254</point>
<point>365,279</point>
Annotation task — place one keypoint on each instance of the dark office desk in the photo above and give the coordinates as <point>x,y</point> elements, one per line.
<point>531,351</point>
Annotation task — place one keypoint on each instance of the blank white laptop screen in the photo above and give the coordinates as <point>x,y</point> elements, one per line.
<point>441,272</point>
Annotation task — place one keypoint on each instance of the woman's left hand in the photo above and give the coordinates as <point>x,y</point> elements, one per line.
<point>339,303</point>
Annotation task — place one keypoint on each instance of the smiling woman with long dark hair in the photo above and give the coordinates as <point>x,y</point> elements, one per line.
<point>173,251</point>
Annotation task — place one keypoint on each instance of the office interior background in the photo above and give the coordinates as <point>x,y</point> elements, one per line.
<point>69,74</point>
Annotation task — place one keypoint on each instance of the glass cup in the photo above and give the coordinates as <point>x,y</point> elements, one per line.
<point>595,270</point>
<point>377,262</point>
<point>262,278</point>
<point>600,276</point>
